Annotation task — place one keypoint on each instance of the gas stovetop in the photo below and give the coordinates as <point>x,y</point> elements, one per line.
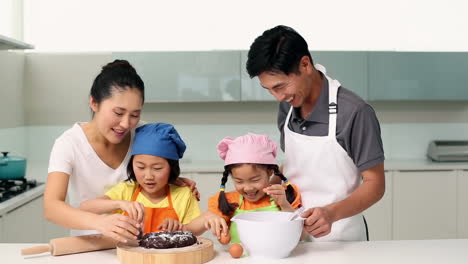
<point>11,188</point>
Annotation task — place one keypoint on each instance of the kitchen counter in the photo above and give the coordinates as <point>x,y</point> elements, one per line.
<point>404,251</point>
<point>423,164</point>
<point>21,199</point>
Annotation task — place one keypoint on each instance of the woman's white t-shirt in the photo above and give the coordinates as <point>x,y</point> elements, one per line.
<point>90,177</point>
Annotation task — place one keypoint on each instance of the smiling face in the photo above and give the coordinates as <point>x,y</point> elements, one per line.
<point>118,114</point>
<point>152,173</point>
<point>250,180</point>
<point>294,88</point>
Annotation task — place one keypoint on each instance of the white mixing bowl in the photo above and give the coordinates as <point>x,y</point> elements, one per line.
<point>268,234</point>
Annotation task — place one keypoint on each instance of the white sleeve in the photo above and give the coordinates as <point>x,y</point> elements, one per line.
<point>61,157</point>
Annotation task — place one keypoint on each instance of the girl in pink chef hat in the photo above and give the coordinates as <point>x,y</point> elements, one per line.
<point>251,161</point>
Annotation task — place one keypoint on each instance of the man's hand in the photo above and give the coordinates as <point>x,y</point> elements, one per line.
<point>319,221</point>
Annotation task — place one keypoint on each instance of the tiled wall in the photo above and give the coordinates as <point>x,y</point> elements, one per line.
<point>401,141</point>
<point>11,89</point>
<point>13,140</point>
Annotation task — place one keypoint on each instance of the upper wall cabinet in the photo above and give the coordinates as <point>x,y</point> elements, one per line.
<point>7,43</point>
<point>251,90</point>
<point>187,76</point>
<point>348,67</point>
<point>418,75</point>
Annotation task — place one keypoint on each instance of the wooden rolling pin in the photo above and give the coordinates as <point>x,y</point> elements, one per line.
<point>72,245</point>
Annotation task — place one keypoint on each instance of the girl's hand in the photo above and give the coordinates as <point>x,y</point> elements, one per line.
<point>170,224</point>
<point>277,192</point>
<point>135,210</point>
<point>181,181</point>
<point>117,226</point>
<point>217,225</point>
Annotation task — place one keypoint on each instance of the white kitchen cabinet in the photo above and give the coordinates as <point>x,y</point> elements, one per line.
<point>462,205</point>
<point>52,231</point>
<point>24,224</point>
<point>2,237</point>
<point>379,216</point>
<point>424,204</point>
<point>191,76</point>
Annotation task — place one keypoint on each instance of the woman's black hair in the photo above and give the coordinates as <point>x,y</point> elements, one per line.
<point>119,75</point>
<point>228,208</point>
<point>173,174</point>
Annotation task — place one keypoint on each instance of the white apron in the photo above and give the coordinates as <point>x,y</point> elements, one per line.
<point>323,171</point>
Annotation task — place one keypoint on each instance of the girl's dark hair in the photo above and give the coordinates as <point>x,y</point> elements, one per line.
<point>173,174</point>
<point>228,208</point>
<point>278,49</point>
<point>119,75</point>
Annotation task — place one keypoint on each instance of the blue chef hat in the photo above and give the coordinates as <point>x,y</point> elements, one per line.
<point>158,139</point>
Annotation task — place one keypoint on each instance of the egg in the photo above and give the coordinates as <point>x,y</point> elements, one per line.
<point>236,250</point>
<point>224,238</point>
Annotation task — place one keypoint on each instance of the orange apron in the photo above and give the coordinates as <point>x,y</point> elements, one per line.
<point>155,216</point>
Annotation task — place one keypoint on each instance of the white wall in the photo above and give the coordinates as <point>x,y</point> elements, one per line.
<point>89,25</point>
<point>11,18</point>
<point>11,90</point>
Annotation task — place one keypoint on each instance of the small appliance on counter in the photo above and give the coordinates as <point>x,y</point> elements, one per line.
<point>448,150</point>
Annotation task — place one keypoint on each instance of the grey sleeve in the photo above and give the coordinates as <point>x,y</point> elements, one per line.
<point>283,109</point>
<point>365,141</point>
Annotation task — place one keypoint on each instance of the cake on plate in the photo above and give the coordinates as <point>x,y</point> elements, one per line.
<point>167,239</point>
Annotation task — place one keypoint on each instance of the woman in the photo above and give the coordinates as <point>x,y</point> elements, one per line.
<point>89,158</point>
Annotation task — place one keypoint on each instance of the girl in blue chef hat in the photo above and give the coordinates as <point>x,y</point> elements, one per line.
<point>148,194</point>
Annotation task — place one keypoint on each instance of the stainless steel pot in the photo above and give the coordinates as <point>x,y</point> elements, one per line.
<point>11,167</point>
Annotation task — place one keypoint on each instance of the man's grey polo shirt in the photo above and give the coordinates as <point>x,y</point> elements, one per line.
<point>357,127</point>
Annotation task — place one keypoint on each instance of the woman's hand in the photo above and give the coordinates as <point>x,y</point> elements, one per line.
<point>135,210</point>
<point>217,225</point>
<point>278,193</point>
<point>181,181</point>
<point>170,224</point>
<point>117,226</point>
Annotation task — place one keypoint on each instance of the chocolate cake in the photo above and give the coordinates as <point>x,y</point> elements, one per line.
<point>168,239</point>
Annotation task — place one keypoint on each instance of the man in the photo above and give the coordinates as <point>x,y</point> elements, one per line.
<point>330,136</point>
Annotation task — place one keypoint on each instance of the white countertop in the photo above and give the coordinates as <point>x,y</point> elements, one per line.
<point>451,251</point>
<point>18,200</point>
<point>423,164</point>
